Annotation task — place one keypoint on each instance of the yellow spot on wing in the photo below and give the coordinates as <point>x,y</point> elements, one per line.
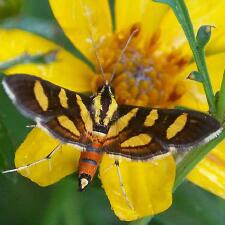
<point>139,140</point>
<point>176,126</point>
<point>40,95</point>
<point>65,122</point>
<point>98,108</point>
<point>112,108</point>
<point>63,98</point>
<point>85,115</point>
<point>121,123</point>
<point>151,118</point>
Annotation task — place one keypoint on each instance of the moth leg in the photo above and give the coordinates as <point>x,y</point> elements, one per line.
<point>122,186</point>
<point>31,126</point>
<point>47,158</point>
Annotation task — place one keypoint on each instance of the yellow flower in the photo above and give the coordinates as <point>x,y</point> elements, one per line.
<point>160,50</point>
<point>150,73</point>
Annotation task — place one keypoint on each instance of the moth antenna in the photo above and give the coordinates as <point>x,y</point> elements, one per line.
<point>89,23</point>
<point>97,56</point>
<point>133,33</point>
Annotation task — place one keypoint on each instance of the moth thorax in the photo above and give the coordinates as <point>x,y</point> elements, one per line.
<point>104,105</point>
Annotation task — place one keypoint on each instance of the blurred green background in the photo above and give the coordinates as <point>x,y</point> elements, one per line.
<point>24,203</point>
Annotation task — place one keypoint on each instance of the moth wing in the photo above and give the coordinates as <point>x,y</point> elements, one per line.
<point>68,129</point>
<point>63,113</point>
<point>39,99</point>
<point>143,133</point>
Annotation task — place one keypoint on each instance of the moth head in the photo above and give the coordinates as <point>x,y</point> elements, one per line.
<point>106,89</point>
<point>83,181</point>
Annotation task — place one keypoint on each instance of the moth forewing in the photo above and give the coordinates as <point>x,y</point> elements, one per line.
<point>149,133</point>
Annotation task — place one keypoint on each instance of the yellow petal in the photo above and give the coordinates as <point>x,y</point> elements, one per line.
<point>210,172</point>
<point>81,18</point>
<point>37,146</point>
<point>194,96</point>
<point>202,13</point>
<point>66,71</point>
<point>148,186</point>
<point>146,13</point>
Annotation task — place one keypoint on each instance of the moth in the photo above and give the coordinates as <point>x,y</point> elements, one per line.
<point>98,125</point>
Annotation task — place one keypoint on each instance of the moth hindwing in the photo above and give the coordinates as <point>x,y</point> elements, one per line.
<point>98,123</point>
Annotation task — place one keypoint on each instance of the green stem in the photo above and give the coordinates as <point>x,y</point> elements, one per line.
<point>202,68</point>
<point>198,53</point>
<point>181,12</point>
<point>221,101</point>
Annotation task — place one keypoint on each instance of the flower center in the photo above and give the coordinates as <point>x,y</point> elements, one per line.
<point>143,76</point>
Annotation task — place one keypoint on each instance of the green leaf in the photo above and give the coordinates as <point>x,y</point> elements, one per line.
<point>193,205</point>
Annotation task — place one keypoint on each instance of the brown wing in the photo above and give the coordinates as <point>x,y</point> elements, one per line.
<point>142,133</point>
<point>62,112</point>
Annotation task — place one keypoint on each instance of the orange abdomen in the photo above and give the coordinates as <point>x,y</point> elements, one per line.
<point>89,162</point>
